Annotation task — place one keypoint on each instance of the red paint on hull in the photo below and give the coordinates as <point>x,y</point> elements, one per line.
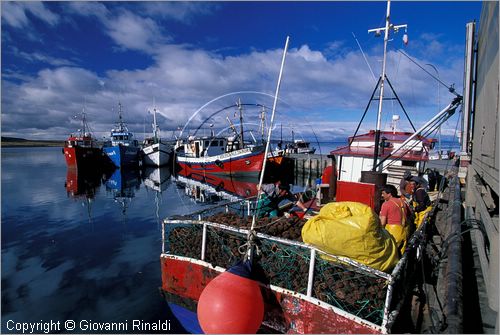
<point>81,156</point>
<point>246,164</point>
<point>283,312</point>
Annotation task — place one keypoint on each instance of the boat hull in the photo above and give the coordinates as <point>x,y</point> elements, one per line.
<point>157,154</point>
<point>122,155</point>
<point>243,161</point>
<point>285,311</point>
<point>82,156</point>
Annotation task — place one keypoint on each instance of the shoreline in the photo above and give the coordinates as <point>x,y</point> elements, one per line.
<point>29,144</point>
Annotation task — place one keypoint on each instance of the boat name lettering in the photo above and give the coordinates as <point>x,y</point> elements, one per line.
<point>229,154</point>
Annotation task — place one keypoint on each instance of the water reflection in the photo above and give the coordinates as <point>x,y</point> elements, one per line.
<point>122,185</point>
<point>56,266</point>
<point>157,179</point>
<point>211,188</point>
<point>83,185</point>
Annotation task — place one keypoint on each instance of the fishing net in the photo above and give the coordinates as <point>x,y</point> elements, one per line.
<point>356,290</point>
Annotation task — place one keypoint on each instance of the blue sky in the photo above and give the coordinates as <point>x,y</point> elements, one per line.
<point>61,57</point>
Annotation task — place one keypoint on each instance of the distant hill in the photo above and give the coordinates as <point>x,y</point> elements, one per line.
<point>22,142</point>
<point>13,139</point>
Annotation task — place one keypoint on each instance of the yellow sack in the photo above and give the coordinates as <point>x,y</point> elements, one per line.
<point>351,229</point>
<point>419,217</point>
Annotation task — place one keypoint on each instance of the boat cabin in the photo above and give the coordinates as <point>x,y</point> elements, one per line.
<point>123,137</point>
<point>85,141</point>
<point>299,147</point>
<point>395,153</point>
<point>210,146</point>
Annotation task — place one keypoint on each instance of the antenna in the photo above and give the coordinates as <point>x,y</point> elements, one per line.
<point>366,60</point>
<point>388,26</point>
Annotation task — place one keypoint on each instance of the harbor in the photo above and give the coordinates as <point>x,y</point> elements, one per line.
<point>295,193</point>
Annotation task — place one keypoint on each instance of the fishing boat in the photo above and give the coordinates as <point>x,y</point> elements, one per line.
<point>220,155</point>
<point>305,290</point>
<point>154,151</point>
<point>82,149</point>
<point>397,152</point>
<point>299,146</point>
<point>123,148</point>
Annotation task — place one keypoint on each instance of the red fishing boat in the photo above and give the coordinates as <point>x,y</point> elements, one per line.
<point>220,155</point>
<point>305,289</point>
<point>81,149</point>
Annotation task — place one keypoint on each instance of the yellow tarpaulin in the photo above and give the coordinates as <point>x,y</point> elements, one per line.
<point>351,229</point>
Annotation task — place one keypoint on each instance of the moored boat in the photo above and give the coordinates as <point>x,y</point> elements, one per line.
<point>123,149</point>
<point>299,147</point>
<point>397,151</point>
<point>154,152</point>
<point>221,155</point>
<point>81,149</point>
<point>305,290</point>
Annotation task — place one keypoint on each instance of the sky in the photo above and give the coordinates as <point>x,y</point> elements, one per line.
<point>194,61</point>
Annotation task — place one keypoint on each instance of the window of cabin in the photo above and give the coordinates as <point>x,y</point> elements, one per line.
<point>409,163</point>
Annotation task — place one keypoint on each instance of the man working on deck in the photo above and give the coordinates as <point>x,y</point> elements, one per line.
<point>393,216</point>
<point>421,201</point>
<point>272,195</point>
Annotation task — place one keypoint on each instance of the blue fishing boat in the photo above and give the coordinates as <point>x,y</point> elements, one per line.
<point>123,149</point>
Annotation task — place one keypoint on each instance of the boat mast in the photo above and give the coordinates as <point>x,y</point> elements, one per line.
<point>262,121</point>
<point>388,26</point>
<point>240,109</point>
<point>84,123</point>
<point>120,119</point>
<point>155,127</point>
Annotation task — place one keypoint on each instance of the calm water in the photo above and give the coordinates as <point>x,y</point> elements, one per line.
<point>92,256</point>
<point>66,257</point>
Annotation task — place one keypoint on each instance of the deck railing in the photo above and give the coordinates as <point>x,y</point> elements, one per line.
<point>353,288</point>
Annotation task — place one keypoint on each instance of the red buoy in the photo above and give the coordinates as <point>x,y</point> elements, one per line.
<point>231,304</point>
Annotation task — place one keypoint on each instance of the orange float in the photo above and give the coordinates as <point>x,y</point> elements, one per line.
<point>231,304</point>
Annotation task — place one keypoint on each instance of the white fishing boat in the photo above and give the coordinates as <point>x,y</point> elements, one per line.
<point>299,146</point>
<point>154,151</point>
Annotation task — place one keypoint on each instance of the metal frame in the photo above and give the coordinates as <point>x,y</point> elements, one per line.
<point>388,315</point>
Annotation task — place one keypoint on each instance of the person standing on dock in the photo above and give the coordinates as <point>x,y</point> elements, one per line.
<point>421,201</point>
<point>394,216</point>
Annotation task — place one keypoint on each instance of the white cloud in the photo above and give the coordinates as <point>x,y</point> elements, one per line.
<point>14,13</point>
<point>181,79</point>
<point>134,32</point>
<point>86,8</point>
